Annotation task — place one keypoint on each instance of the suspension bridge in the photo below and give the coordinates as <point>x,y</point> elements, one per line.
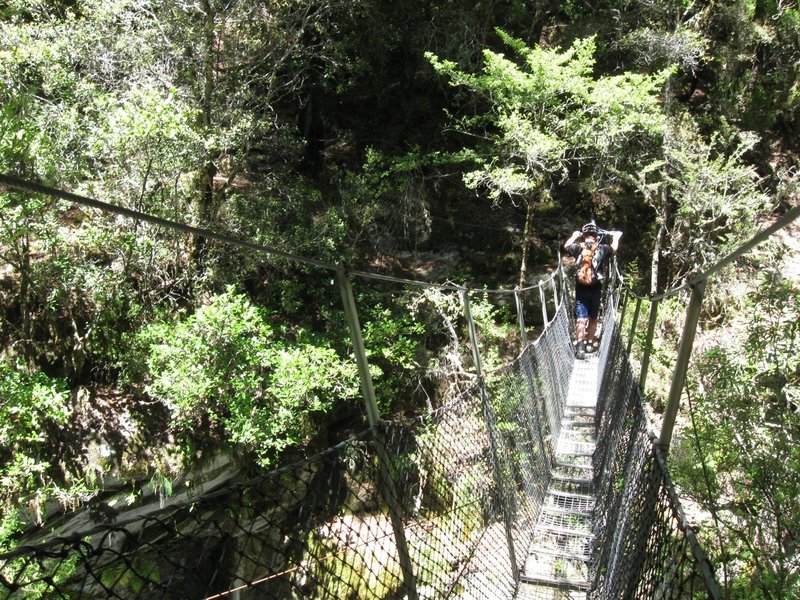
<point>539,480</point>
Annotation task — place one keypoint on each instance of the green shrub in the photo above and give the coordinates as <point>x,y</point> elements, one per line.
<point>227,369</point>
<point>393,341</point>
<point>738,456</point>
<point>32,405</point>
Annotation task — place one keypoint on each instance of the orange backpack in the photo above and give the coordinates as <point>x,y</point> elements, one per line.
<point>586,273</point>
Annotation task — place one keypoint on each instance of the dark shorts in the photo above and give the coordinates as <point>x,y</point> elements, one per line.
<point>587,301</point>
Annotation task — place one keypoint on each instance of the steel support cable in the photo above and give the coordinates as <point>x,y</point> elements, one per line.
<point>29,186</point>
<point>693,279</point>
<point>557,327</point>
<point>38,188</point>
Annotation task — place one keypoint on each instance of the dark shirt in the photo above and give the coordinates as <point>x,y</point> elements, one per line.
<point>601,256</point>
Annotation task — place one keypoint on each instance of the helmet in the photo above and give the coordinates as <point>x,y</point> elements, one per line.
<point>589,228</point>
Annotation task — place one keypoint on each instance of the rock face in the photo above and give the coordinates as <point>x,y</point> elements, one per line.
<point>269,536</point>
<point>117,505</point>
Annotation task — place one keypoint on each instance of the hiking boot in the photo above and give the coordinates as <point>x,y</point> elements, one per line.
<point>592,346</point>
<point>580,352</point>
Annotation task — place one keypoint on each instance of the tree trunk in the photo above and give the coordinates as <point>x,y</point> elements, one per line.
<point>24,297</point>
<point>204,213</point>
<point>526,243</point>
<point>655,261</point>
<point>205,201</point>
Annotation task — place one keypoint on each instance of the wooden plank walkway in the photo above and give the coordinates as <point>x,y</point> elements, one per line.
<point>557,565</point>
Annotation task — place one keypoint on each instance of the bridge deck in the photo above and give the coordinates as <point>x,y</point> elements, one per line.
<point>557,565</point>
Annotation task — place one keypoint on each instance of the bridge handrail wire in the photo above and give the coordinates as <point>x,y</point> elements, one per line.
<point>136,215</point>
<point>696,284</point>
<point>122,560</point>
<point>321,529</point>
<point>644,546</point>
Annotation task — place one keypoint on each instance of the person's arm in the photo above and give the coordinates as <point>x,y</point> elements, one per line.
<point>615,235</point>
<point>573,238</point>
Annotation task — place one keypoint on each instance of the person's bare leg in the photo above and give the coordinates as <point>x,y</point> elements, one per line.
<point>580,329</point>
<point>592,330</point>
<point>580,334</point>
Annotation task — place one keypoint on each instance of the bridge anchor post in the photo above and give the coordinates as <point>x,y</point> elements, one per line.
<point>681,364</point>
<point>386,482</point>
<point>488,413</point>
<point>521,317</point>
<point>648,343</point>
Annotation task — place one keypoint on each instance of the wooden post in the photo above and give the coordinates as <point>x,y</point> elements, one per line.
<point>623,300</point>
<point>373,416</point>
<point>648,343</point>
<point>681,364</point>
<point>634,323</point>
<point>543,300</point>
<point>488,414</point>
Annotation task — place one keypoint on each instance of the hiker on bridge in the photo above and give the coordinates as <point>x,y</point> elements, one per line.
<point>590,252</point>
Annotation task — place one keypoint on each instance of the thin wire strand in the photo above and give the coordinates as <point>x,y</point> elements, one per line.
<point>38,188</point>
<point>692,280</point>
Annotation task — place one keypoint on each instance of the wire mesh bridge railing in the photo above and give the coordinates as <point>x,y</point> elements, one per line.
<point>442,506</point>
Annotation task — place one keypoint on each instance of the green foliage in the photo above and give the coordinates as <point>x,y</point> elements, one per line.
<point>93,92</point>
<point>756,65</point>
<point>719,195</point>
<point>388,201</point>
<point>545,118</point>
<point>32,407</point>
<point>549,113</point>
<point>69,285</point>
<point>10,527</point>
<point>287,214</point>
<point>226,369</point>
<point>392,339</point>
<point>740,459</point>
<point>658,46</point>
<point>497,333</point>
<point>37,74</point>
<point>45,574</point>
<point>34,412</point>
<point>145,138</point>
<point>441,313</point>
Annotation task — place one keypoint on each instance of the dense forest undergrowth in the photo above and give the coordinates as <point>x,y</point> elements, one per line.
<point>449,140</point>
